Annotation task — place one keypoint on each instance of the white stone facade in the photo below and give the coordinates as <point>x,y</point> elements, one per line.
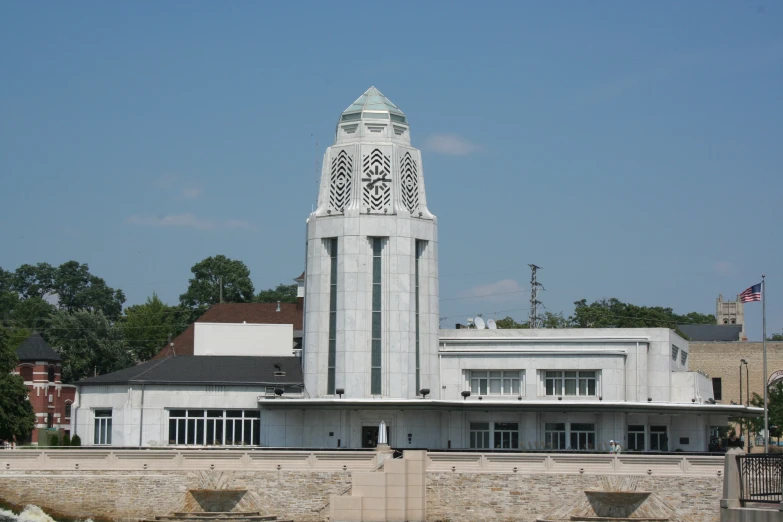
<point>372,186</point>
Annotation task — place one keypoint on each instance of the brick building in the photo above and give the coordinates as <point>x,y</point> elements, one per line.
<point>41,367</point>
<point>721,360</point>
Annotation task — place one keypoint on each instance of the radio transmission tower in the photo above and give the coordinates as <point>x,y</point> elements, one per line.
<point>534,302</point>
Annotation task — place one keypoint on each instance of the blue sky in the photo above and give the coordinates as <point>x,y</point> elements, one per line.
<point>631,149</point>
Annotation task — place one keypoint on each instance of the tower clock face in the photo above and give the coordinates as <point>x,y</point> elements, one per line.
<point>377,181</point>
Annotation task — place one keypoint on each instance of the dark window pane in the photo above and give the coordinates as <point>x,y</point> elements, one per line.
<point>172,431</point>
<point>195,413</point>
<point>191,437</point>
<point>375,381</point>
<point>176,413</point>
<point>233,413</point>
<point>181,431</point>
<point>376,325</point>
<point>376,353</point>
<point>210,431</point>
<point>376,299</point>
<point>214,413</point>
<point>200,431</point>
<point>256,432</point>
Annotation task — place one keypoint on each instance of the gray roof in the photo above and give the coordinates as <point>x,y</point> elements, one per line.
<point>35,348</point>
<point>711,332</point>
<point>207,369</point>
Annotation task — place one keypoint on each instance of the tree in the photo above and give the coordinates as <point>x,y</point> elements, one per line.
<point>508,322</point>
<point>695,318</point>
<point>204,287</point>
<point>34,280</point>
<point>89,343</point>
<point>283,293</point>
<point>146,327</point>
<point>775,337</point>
<point>774,407</point>
<point>78,289</point>
<point>32,313</point>
<point>613,313</point>
<point>555,320</point>
<point>17,418</point>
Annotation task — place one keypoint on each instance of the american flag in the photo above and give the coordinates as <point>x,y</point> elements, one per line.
<point>751,294</point>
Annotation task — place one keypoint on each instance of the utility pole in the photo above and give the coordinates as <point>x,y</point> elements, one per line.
<point>534,302</point>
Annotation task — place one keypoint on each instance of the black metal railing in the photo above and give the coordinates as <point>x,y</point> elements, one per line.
<point>761,478</point>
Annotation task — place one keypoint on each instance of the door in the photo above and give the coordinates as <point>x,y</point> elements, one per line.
<point>370,436</point>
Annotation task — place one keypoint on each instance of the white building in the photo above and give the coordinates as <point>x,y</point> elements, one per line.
<point>372,350</point>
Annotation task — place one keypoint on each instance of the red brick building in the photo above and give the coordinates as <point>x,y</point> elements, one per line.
<point>41,367</point>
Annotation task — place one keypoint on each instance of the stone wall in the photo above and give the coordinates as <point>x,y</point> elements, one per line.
<point>125,495</point>
<point>469,497</point>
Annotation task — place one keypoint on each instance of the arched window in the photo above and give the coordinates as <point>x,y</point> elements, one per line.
<point>51,374</point>
<point>725,321</point>
<point>733,321</point>
<point>27,373</point>
<point>68,410</point>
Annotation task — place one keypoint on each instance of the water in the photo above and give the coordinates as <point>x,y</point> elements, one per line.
<point>29,514</point>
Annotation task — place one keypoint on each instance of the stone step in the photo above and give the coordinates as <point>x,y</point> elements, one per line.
<point>612,519</point>
<point>210,517</point>
<point>225,514</point>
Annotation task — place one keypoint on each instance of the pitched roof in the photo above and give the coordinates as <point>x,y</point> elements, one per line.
<point>207,369</point>
<point>35,348</point>
<point>711,332</point>
<point>254,313</point>
<point>373,100</point>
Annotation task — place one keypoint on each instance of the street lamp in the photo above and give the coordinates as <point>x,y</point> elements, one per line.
<point>747,390</point>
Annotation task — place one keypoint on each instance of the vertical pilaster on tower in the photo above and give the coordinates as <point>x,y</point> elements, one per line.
<point>534,319</point>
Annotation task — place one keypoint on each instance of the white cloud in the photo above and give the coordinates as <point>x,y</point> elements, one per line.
<point>724,268</point>
<point>188,220</point>
<point>191,192</point>
<point>450,144</point>
<point>499,290</point>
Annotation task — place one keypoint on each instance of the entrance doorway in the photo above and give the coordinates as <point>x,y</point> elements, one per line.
<point>370,436</point>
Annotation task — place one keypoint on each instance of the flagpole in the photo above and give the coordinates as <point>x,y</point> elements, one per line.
<point>764,345</point>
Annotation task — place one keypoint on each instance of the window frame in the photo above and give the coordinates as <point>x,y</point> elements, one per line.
<point>102,426</point>
<point>560,383</point>
<point>477,378</point>
<point>214,427</point>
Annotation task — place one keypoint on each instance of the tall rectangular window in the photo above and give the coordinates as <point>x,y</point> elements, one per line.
<point>555,435</point>
<point>717,388</point>
<point>375,375</point>
<point>102,427</point>
<point>479,435</point>
<point>582,436</point>
<point>419,251</point>
<point>332,248</point>
<point>636,437</point>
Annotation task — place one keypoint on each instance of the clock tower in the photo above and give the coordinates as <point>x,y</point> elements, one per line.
<point>371,277</point>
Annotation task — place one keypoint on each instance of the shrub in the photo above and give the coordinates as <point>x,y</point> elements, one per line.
<point>66,441</point>
<point>54,440</point>
<point>76,441</point>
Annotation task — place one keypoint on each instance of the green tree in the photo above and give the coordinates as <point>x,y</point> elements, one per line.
<point>508,322</point>
<point>78,289</point>
<point>775,337</point>
<point>34,280</point>
<point>204,286</point>
<point>695,318</point>
<point>89,343</point>
<point>775,408</point>
<point>555,320</point>
<point>146,327</point>
<point>32,313</point>
<point>283,293</point>
<point>613,313</point>
<point>17,418</point>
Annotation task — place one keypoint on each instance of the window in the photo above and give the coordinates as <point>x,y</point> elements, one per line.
<point>67,410</point>
<point>675,350</point>
<point>419,251</point>
<point>506,435</point>
<point>495,382</point>
<point>658,439</point>
<point>555,435</point>
<point>717,388</point>
<point>215,427</point>
<point>683,357</point>
<point>636,437</point>
<point>332,366</point>
<point>49,420</point>
<point>27,373</point>
<point>51,374</point>
<point>102,427</point>
<point>571,383</point>
<point>375,375</point>
<point>582,436</point>
<point>479,435</point>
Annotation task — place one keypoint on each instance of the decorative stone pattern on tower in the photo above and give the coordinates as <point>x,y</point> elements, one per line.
<point>372,239</point>
<point>730,312</point>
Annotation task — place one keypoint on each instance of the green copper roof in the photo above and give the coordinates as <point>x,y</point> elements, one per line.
<point>373,100</point>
